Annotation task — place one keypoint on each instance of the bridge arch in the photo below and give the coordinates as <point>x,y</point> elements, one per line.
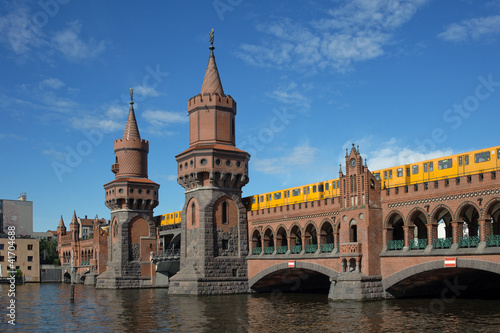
<point>403,283</point>
<point>394,223</point>
<point>492,212</point>
<point>418,219</point>
<point>469,212</point>
<point>266,280</point>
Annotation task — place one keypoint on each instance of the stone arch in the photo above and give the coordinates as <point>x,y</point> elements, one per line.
<point>256,240</point>
<point>138,227</point>
<point>226,227</point>
<point>444,214</point>
<point>394,223</point>
<point>327,232</point>
<point>296,233</point>
<point>406,273</point>
<point>298,265</point>
<point>492,212</point>
<point>469,212</point>
<point>436,213</point>
<point>281,239</point>
<point>418,219</point>
<point>269,237</point>
<point>192,214</point>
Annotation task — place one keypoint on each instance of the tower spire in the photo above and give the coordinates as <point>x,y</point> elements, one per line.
<point>131,129</point>
<point>212,83</point>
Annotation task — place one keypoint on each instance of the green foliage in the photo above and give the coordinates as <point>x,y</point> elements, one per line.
<point>48,251</point>
<point>19,274</point>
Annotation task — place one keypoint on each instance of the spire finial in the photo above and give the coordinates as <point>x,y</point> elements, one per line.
<point>131,95</point>
<point>211,34</point>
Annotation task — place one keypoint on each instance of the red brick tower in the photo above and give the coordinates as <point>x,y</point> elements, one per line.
<point>61,228</point>
<point>131,197</point>
<point>212,171</point>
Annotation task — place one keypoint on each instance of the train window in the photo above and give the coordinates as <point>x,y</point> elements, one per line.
<point>498,154</point>
<point>320,187</point>
<point>314,188</point>
<point>176,214</point>
<point>414,169</point>
<point>460,162</point>
<point>445,164</point>
<point>171,216</point>
<point>425,167</point>
<point>296,192</point>
<point>163,217</point>
<point>333,185</point>
<point>482,157</point>
<point>399,172</point>
<point>277,195</point>
<point>466,159</point>
<point>261,198</point>
<point>407,172</point>
<point>390,174</point>
<point>327,186</point>
<point>253,200</point>
<point>385,174</point>
<point>338,183</point>
<point>377,176</point>
<point>431,166</point>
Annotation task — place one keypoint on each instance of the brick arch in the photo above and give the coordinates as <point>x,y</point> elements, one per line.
<point>437,208</point>
<point>470,203</point>
<point>298,264</point>
<point>413,211</point>
<point>233,197</point>
<point>489,205</point>
<point>293,225</point>
<point>326,220</point>
<point>406,273</point>
<point>308,223</point>
<point>192,218</point>
<point>390,215</point>
<point>269,228</point>
<point>284,228</point>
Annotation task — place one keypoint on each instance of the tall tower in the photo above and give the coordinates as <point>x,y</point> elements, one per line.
<point>131,197</point>
<point>212,172</point>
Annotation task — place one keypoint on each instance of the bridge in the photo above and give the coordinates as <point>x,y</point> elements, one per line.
<point>427,239</point>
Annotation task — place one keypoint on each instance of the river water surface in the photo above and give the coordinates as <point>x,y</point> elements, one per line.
<point>46,308</point>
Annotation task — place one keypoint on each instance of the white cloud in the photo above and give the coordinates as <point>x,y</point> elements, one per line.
<point>164,118</point>
<point>355,31</point>
<point>292,94</point>
<point>297,159</point>
<point>54,154</point>
<point>145,91</point>
<point>70,44</point>
<point>51,83</point>
<point>472,29</point>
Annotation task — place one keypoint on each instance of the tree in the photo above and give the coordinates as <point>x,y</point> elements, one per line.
<point>48,251</point>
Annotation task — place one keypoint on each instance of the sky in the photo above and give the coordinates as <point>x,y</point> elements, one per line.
<point>404,80</point>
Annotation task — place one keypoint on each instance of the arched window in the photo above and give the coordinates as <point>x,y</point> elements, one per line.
<point>193,214</point>
<point>224,213</point>
<point>353,232</point>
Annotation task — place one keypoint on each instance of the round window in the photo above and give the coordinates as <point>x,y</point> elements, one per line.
<point>217,161</point>
<point>228,163</point>
<point>203,161</point>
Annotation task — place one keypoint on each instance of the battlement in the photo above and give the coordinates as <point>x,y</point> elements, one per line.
<point>132,144</point>
<point>214,98</point>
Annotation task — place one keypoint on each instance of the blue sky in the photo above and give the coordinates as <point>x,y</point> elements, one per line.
<point>405,80</point>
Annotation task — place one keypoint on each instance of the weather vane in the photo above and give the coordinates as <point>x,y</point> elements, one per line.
<point>131,95</point>
<point>211,34</point>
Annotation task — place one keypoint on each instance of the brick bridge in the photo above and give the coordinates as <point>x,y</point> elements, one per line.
<point>395,241</point>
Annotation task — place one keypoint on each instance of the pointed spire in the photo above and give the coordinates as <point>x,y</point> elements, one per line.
<point>74,219</point>
<point>211,82</point>
<point>61,223</point>
<point>131,129</point>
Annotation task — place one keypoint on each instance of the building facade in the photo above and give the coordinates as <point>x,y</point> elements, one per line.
<point>26,257</point>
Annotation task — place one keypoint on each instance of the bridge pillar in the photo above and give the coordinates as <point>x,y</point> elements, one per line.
<point>431,232</point>
<point>356,286</point>
<point>409,231</point>
<point>458,230</point>
<point>484,229</point>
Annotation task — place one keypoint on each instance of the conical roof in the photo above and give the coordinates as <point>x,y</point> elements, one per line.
<point>61,223</point>
<point>131,130</point>
<point>74,219</point>
<point>211,82</point>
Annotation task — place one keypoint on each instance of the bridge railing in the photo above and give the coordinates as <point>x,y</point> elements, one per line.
<point>166,254</point>
<point>493,241</point>
<point>470,241</point>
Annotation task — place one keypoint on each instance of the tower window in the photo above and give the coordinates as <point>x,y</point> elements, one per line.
<point>224,213</point>
<point>193,214</point>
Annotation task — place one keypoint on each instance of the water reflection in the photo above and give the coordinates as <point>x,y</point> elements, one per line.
<point>46,308</point>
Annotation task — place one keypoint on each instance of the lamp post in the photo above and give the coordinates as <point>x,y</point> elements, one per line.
<point>72,288</point>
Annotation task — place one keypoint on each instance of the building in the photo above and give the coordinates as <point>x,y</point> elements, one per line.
<point>17,213</point>
<point>81,258</point>
<point>87,226</point>
<point>27,257</point>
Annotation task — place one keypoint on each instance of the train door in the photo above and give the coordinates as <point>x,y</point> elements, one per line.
<point>463,161</point>
<point>428,173</point>
<point>407,173</point>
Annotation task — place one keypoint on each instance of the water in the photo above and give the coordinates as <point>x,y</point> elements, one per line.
<point>46,308</point>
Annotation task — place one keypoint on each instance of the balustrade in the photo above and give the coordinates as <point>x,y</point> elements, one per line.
<point>327,247</point>
<point>442,243</point>
<point>256,250</point>
<point>281,249</point>
<point>396,244</point>
<point>418,244</point>
<point>311,248</point>
<point>269,250</point>
<point>296,249</point>
<point>471,241</point>
<point>493,240</point>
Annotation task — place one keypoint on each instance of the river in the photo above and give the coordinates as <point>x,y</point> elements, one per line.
<point>46,308</point>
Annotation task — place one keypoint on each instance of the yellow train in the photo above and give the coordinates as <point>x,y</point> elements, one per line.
<point>170,218</point>
<point>477,161</point>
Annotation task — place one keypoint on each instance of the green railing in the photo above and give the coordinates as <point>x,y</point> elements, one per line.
<point>397,244</point>
<point>418,244</point>
<point>256,250</point>
<point>311,248</point>
<point>296,249</point>
<point>442,243</point>
<point>269,250</point>
<point>326,247</point>
<point>281,249</point>
<point>470,241</point>
<point>493,240</point>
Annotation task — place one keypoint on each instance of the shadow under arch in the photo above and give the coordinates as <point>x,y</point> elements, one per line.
<point>305,276</point>
<point>470,278</point>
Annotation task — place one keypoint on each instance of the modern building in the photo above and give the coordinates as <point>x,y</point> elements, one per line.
<point>26,257</point>
<point>17,213</point>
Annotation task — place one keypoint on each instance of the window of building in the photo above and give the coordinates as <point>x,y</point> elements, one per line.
<point>193,213</point>
<point>29,268</point>
<point>1,246</point>
<point>225,244</point>
<point>414,169</point>
<point>30,258</point>
<point>399,172</point>
<point>482,157</point>
<point>2,258</point>
<point>445,164</point>
<point>30,247</point>
<point>224,213</point>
